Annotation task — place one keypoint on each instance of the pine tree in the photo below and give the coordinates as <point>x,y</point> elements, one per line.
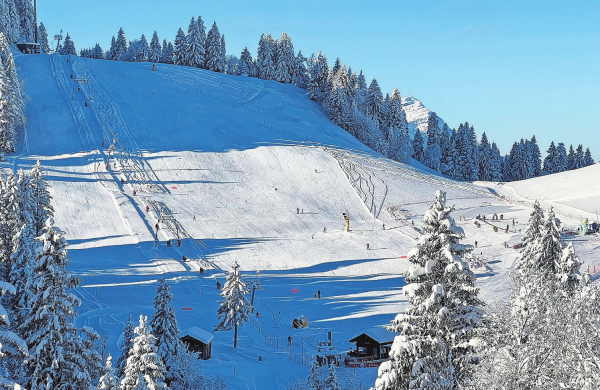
<point>570,158</point>
<point>579,158</point>
<point>9,223</point>
<point>144,368</point>
<point>286,60</point>
<point>536,157</point>
<point>202,37</point>
<point>39,188</point>
<point>265,65</point>
<point>143,50</point>
<point>375,102</point>
<point>314,378</point>
<point>548,167</point>
<point>443,324</point>
<point>433,154</point>
<point>300,78</point>
<point>164,326</point>
<point>27,21</point>
<point>109,381</point>
<point>180,49</point>
<point>13,27</point>
<point>110,54</point>
<point>561,163</point>
<point>43,38</point>
<point>10,342</point>
<point>485,158</point>
<point>234,308</point>
<point>496,164</point>
<point>121,46</point>
<point>399,141</point>
<point>588,157</point>
<point>125,347</point>
<point>155,49</point>
<point>332,381</point>
<point>58,353</point>
<point>68,47</point>
<point>246,65</point>
<point>215,55</point>
<point>417,145</point>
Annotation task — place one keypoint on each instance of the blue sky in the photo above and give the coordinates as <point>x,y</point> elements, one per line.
<point>510,68</point>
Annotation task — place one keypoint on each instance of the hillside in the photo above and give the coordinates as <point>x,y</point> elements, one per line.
<point>242,170</point>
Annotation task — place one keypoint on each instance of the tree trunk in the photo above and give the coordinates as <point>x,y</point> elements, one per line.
<point>235,337</point>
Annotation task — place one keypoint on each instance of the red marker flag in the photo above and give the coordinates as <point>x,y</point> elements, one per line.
<point>186,308</point>
<point>294,290</point>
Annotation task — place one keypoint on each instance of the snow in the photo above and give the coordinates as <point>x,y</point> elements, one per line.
<point>226,161</point>
<point>198,333</point>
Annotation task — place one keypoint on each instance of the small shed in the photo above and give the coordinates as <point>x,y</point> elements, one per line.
<point>198,340</point>
<point>29,48</point>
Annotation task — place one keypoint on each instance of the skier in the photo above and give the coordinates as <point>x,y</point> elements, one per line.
<point>298,210</point>
<point>153,68</point>
<point>319,294</point>
<point>147,208</point>
<point>201,271</point>
<point>289,340</point>
<point>502,216</point>
<point>85,104</point>
<point>513,222</point>
<point>218,285</point>
<point>475,244</point>
<point>257,315</point>
<point>384,226</point>
<point>183,258</point>
<point>134,192</point>
<point>368,246</point>
<point>156,226</point>
<point>324,229</point>
<point>194,217</point>
<point>122,181</point>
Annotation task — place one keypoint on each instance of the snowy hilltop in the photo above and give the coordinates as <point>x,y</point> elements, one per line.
<point>417,116</point>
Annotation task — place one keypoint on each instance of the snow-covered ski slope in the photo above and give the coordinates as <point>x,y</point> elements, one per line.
<point>242,170</point>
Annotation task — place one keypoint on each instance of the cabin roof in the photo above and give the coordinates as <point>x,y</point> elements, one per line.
<point>362,336</point>
<point>198,334</point>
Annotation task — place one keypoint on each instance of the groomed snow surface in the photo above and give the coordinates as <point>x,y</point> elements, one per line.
<point>250,171</point>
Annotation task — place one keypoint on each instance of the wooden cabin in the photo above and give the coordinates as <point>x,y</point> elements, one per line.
<point>198,340</point>
<point>369,348</point>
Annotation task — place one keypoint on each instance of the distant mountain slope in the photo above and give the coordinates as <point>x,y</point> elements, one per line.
<point>417,115</point>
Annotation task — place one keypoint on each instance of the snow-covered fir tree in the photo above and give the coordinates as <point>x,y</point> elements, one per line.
<point>570,157</point>
<point>164,327</point>
<point>235,308</point>
<point>180,48</point>
<point>495,164</point>
<point>374,103</point>
<point>68,47</point>
<point>548,166</point>
<point>301,77</point>
<point>231,64</point>
<point>12,27</point>
<point>246,65</point>
<point>535,157</point>
<point>59,355</point>
<point>588,157</point>
<point>121,46</point>
<point>125,347</point>
<point>143,50</point>
<point>155,49</point>
<point>561,162</point>
<point>144,368</point>
<point>109,381</point>
<point>441,329</point>
<point>10,342</point>
<point>399,140</point>
<point>285,60</point>
<point>110,54</point>
<point>43,38</point>
<point>265,64</point>
<point>167,52</point>
<point>449,154</point>
<point>195,53</point>
<point>467,161</point>
<point>433,154</point>
<point>579,158</point>
<point>332,380</point>
<point>485,158</point>
<point>39,188</point>
<point>12,99</point>
<point>417,146</point>
<point>215,56</point>
<point>9,223</point>
<point>27,20</point>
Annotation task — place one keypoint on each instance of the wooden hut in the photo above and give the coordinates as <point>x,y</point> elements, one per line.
<point>369,348</point>
<point>198,340</point>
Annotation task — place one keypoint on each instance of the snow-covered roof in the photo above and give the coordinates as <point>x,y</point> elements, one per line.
<point>199,334</point>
